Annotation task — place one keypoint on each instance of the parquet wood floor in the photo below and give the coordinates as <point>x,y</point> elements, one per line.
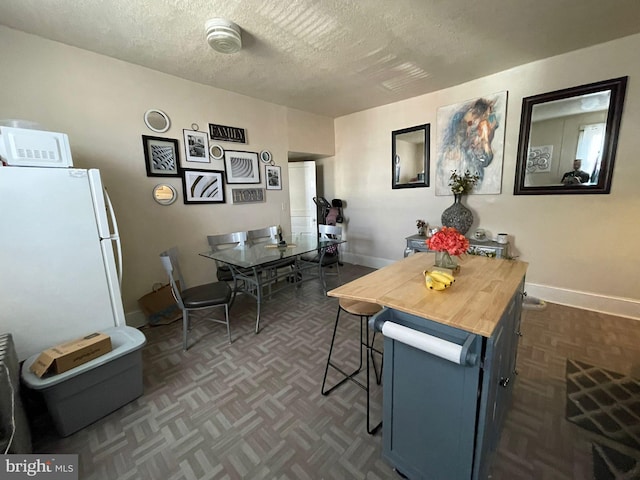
<point>253,409</point>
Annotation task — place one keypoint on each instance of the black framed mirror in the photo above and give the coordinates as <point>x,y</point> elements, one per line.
<point>568,139</point>
<point>410,157</point>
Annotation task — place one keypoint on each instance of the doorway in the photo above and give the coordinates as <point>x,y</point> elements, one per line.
<point>302,189</point>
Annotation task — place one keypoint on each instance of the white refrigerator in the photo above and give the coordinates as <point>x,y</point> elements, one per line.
<point>58,247</point>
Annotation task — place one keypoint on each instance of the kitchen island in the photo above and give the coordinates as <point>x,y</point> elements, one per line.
<point>443,408</point>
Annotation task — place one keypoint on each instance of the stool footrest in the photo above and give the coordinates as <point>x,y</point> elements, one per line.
<point>347,376</point>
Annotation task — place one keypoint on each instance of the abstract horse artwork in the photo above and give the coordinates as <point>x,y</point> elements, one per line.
<point>471,137</point>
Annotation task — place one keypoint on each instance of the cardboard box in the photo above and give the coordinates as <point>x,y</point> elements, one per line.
<point>68,355</point>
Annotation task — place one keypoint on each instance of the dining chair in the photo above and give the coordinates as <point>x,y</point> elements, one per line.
<point>200,297</point>
<point>223,271</point>
<point>276,269</point>
<point>330,258</point>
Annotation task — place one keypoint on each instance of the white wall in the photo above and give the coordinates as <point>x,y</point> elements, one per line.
<point>581,249</point>
<point>99,102</point>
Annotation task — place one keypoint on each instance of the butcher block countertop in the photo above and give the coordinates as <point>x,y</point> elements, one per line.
<point>474,303</point>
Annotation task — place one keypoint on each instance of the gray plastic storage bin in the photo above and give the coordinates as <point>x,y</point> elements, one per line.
<point>84,394</point>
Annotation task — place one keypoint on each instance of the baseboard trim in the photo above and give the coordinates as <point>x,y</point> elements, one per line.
<point>619,306</point>
<point>135,319</point>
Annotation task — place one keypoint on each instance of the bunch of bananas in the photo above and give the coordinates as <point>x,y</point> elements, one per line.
<point>437,279</point>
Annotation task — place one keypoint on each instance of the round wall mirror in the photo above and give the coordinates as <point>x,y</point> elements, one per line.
<point>164,194</point>
<point>216,152</point>
<point>157,120</point>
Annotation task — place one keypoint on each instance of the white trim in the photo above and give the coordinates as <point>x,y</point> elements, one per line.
<point>622,307</point>
<point>619,306</point>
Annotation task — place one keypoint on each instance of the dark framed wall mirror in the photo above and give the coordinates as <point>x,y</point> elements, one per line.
<point>568,139</point>
<point>410,157</point>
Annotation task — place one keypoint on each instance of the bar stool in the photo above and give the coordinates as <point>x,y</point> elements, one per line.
<point>364,310</point>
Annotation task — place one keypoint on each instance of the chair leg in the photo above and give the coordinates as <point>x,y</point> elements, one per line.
<point>233,293</point>
<point>370,430</point>
<point>185,328</point>
<point>226,317</point>
<point>347,376</point>
<point>258,302</point>
<point>323,279</point>
<point>373,360</point>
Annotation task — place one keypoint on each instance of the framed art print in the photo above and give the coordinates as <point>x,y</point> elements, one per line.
<point>274,177</point>
<point>241,167</point>
<point>161,156</point>
<point>203,186</point>
<point>471,137</point>
<point>196,146</point>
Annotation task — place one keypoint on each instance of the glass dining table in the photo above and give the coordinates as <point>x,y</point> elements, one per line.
<point>260,266</point>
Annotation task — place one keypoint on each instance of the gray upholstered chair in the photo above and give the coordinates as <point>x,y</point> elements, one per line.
<point>210,295</point>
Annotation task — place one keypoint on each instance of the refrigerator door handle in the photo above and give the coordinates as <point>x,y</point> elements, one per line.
<point>115,236</point>
<point>102,204</point>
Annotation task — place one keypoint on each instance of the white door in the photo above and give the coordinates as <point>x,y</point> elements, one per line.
<point>302,189</point>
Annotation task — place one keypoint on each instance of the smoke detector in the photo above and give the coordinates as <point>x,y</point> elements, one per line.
<point>223,36</point>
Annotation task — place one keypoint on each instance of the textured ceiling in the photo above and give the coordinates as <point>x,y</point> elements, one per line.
<point>330,57</point>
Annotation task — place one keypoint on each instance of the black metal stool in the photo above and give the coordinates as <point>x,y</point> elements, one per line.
<point>364,310</point>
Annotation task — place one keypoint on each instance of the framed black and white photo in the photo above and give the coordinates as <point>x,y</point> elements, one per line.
<point>274,177</point>
<point>203,186</point>
<point>196,146</point>
<point>241,167</point>
<point>161,156</point>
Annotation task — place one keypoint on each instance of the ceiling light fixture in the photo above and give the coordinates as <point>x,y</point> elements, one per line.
<point>223,36</point>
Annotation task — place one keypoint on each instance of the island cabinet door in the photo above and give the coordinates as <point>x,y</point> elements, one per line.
<point>497,384</point>
<point>429,402</point>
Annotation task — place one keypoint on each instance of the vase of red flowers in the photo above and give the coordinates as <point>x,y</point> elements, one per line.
<point>447,242</point>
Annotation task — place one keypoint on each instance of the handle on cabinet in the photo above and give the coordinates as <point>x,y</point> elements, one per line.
<point>504,381</point>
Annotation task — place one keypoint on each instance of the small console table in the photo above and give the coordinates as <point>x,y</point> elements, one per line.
<point>486,248</point>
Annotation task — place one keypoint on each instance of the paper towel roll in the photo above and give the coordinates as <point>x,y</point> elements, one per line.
<point>423,341</point>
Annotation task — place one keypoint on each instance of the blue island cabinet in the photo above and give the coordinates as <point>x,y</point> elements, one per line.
<point>443,411</point>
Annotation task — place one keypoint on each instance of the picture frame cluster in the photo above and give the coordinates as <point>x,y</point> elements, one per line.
<point>203,185</point>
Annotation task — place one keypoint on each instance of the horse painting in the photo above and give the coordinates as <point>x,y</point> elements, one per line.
<point>468,141</point>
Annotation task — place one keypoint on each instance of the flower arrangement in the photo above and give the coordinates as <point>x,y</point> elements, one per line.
<point>462,184</point>
<point>449,240</point>
<point>420,224</point>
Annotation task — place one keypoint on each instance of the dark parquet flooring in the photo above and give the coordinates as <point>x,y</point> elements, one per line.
<point>253,409</point>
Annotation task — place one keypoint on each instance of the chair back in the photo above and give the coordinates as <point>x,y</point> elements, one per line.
<point>263,235</point>
<point>226,240</point>
<point>169,259</point>
<point>328,232</point>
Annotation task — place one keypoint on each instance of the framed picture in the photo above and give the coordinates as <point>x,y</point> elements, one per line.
<point>161,156</point>
<point>241,167</point>
<point>196,146</point>
<point>471,137</point>
<point>203,186</point>
<point>274,177</point>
